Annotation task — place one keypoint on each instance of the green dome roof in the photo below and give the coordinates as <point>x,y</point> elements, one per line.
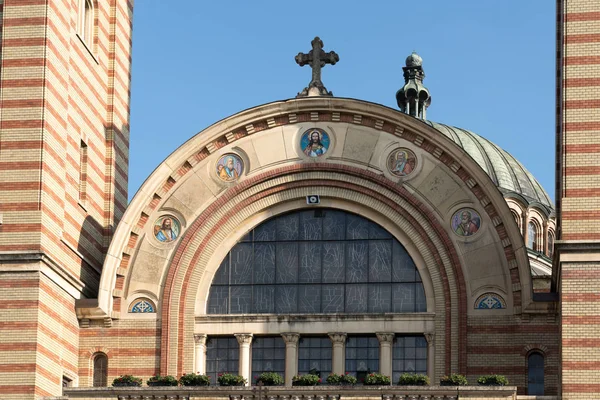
<point>505,171</point>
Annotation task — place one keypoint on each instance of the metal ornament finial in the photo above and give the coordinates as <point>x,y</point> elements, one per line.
<point>317,59</point>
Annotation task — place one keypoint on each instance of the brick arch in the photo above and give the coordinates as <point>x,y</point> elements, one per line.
<point>535,347</point>
<point>178,296</point>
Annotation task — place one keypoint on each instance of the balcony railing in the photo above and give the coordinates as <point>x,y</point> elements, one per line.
<point>296,393</point>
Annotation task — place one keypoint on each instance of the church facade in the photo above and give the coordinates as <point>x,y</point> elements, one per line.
<point>313,235</point>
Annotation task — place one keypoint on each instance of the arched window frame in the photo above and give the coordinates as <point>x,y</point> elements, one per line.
<point>138,300</point>
<point>528,362</point>
<point>86,19</point>
<point>517,218</point>
<point>533,242</point>
<point>550,238</point>
<point>99,372</point>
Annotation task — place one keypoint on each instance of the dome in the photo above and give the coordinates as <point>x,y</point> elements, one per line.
<point>414,60</point>
<point>505,171</point>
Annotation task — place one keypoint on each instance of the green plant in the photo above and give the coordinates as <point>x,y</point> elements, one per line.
<point>306,380</point>
<point>377,379</point>
<point>270,379</point>
<point>343,379</point>
<point>194,380</point>
<point>158,380</point>
<point>454,380</point>
<point>227,379</point>
<point>492,380</point>
<point>408,379</point>
<point>127,380</point>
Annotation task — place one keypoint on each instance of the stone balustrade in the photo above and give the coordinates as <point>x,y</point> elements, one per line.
<point>294,393</point>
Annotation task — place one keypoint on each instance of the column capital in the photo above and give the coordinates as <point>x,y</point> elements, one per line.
<point>430,337</point>
<point>200,338</point>
<point>337,337</point>
<point>385,337</point>
<point>290,337</point>
<point>243,338</point>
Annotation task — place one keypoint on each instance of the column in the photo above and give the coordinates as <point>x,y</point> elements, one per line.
<point>291,356</point>
<point>200,353</point>
<point>244,340</point>
<point>430,337</point>
<point>385,353</point>
<point>339,352</point>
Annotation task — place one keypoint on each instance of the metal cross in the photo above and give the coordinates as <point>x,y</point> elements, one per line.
<point>317,59</point>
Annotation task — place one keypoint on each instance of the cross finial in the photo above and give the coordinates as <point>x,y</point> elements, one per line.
<point>317,59</point>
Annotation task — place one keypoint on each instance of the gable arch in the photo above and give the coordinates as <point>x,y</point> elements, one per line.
<point>172,183</point>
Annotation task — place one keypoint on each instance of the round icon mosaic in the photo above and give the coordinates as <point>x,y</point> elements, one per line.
<point>466,222</point>
<point>315,142</point>
<point>401,162</point>
<point>229,167</point>
<point>166,228</point>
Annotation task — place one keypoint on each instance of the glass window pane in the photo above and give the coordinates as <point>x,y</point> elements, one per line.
<point>314,356</point>
<point>264,263</point>
<point>264,299</point>
<point>356,261</point>
<point>316,262</point>
<point>310,262</point>
<point>332,298</point>
<point>268,355</point>
<point>380,298</point>
<point>286,299</point>
<point>287,262</point>
<point>241,263</point>
<point>362,355</point>
<point>334,225</point>
<point>333,262</point>
<point>311,227</point>
<point>287,227</point>
<point>309,299</point>
<point>380,261</point>
<point>222,355</point>
<point>356,298</point>
<point>356,227</point>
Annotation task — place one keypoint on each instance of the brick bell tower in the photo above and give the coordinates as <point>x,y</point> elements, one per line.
<point>64,144</point>
<point>577,256</point>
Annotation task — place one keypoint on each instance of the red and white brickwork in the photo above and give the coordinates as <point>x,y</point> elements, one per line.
<point>578,195</point>
<point>57,91</point>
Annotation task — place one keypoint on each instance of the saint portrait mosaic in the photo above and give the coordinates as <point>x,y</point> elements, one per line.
<point>315,142</point>
<point>229,167</point>
<point>166,229</point>
<point>466,222</point>
<point>401,162</point>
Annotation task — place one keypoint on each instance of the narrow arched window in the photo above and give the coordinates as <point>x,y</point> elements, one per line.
<point>550,244</point>
<point>100,370</point>
<point>86,21</point>
<point>516,217</point>
<point>535,374</point>
<point>532,236</point>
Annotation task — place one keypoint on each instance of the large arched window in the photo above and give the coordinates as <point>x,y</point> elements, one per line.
<point>535,374</point>
<point>100,370</point>
<point>317,261</point>
<point>532,235</point>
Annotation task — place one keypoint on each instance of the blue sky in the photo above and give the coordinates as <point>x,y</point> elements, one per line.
<point>490,66</point>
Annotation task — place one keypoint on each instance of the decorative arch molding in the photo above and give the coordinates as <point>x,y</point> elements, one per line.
<point>189,158</point>
<point>535,347</point>
<point>282,186</point>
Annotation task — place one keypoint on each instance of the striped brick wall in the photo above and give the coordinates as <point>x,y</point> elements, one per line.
<point>132,347</point>
<point>501,345</point>
<point>58,92</point>
<point>39,336</point>
<point>578,195</point>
